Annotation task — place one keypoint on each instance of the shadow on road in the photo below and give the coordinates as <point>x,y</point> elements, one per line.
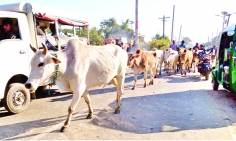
<point>171,112</point>
<point>10,132</point>
<point>167,112</point>
<point>184,78</point>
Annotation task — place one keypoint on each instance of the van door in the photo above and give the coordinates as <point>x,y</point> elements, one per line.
<point>13,56</point>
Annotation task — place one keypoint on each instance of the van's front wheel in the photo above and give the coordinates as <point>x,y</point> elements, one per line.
<point>17,99</point>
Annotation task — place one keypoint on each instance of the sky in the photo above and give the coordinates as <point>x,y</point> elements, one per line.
<point>197,17</point>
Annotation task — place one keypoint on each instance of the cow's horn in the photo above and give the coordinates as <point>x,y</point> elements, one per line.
<point>33,49</point>
<point>45,50</point>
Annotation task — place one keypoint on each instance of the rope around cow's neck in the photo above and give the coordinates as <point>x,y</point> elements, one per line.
<point>54,76</point>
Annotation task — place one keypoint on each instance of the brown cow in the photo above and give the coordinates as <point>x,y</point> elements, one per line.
<point>195,59</point>
<point>143,61</point>
<point>186,58</point>
<point>109,41</point>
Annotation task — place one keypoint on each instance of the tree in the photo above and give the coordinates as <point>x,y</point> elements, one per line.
<point>95,38</point>
<point>187,40</point>
<point>160,44</point>
<point>158,36</point>
<point>110,27</point>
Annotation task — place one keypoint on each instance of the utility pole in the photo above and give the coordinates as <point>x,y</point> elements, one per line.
<point>164,20</point>
<point>136,21</point>
<point>228,19</point>
<point>172,23</point>
<point>180,33</point>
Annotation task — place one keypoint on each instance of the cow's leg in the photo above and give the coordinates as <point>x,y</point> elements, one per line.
<point>194,66</point>
<point>88,101</point>
<point>120,91</point>
<point>145,78</point>
<point>183,69</point>
<point>160,69</point>
<point>189,66</point>
<point>114,82</point>
<point>175,68</point>
<point>77,93</point>
<point>135,80</point>
<point>170,70</point>
<point>155,76</point>
<point>151,76</point>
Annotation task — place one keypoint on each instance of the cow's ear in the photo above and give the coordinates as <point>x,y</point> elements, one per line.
<point>154,54</point>
<point>33,49</point>
<point>138,51</point>
<point>55,60</point>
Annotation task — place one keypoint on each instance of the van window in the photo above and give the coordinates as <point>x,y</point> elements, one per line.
<point>9,28</point>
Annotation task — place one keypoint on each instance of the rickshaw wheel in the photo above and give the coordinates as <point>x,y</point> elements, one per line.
<point>215,85</point>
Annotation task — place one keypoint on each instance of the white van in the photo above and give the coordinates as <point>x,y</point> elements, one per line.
<point>15,54</point>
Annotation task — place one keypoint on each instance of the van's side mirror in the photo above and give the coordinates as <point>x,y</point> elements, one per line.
<point>230,33</point>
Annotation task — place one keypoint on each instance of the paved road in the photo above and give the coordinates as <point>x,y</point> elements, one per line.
<point>175,107</point>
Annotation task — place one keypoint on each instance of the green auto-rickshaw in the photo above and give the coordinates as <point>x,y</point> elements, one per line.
<point>224,72</point>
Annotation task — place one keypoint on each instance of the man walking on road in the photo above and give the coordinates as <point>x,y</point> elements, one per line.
<point>213,54</point>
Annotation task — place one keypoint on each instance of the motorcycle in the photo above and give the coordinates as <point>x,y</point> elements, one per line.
<point>204,65</point>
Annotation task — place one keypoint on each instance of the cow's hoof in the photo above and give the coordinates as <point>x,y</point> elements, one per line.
<point>64,129</point>
<point>133,88</point>
<point>117,111</point>
<point>155,76</point>
<point>151,83</point>
<point>89,116</point>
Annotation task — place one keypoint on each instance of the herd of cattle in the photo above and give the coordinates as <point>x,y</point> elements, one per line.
<point>152,61</point>
<point>82,67</point>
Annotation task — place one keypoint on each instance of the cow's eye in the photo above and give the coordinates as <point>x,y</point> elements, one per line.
<point>40,64</point>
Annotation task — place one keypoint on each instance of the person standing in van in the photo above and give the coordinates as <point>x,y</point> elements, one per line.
<point>8,32</point>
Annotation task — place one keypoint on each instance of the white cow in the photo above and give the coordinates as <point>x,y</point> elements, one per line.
<point>171,60</point>
<point>160,55</point>
<point>81,67</point>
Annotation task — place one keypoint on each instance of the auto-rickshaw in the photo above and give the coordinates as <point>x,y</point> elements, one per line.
<point>224,72</point>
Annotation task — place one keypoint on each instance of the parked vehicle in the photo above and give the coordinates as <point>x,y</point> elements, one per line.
<point>204,66</point>
<point>225,67</point>
<point>15,54</point>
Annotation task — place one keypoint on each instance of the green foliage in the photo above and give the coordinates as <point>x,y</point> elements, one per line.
<point>95,38</point>
<point>158,36</point>
<point>110,26</point>
<point>160,44</point>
